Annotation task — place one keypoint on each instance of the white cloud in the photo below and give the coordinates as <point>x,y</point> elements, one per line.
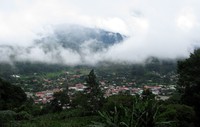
<point>187,20</point>
<point>113,24</point>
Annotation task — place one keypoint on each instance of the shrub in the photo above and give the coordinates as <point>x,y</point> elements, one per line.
<point>182,115</point>
<point>23,115</point>
<point>7,116</point>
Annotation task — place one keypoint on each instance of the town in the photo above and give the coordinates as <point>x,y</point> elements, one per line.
<point>41,87</point>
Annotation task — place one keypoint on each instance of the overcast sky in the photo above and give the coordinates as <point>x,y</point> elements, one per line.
<point>161,28</point>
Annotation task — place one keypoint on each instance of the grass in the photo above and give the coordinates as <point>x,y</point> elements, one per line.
<point>69,122</point>
<point>72,118</point>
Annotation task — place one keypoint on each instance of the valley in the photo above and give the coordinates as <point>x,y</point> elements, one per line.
<point>113,78</point>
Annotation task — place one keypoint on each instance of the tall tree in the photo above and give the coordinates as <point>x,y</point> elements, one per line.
<point>94,92</point>
<point>189,80</point>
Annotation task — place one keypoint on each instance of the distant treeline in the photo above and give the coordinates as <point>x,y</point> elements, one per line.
<point>149,68</point>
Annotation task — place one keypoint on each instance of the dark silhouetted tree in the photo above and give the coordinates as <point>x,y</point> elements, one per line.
<point>94,93</point>
<point>11,96</point>
<point>189,81</point>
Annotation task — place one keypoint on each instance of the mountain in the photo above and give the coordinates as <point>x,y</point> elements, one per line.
<point>78,37</point>
<point>65,44</point>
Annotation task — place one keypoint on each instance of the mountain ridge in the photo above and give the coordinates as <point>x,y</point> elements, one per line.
<point>65,41</point>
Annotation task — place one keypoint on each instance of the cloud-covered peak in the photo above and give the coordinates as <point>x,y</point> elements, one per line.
<point>67,44</point>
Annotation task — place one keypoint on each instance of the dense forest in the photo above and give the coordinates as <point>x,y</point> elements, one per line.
<point>154,69</point>
<point>91,108</point>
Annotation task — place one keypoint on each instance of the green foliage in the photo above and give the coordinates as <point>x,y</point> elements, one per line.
<point>138,70</point>
<point>11,96</point>
<point>143,113</point>
<point>61,99</point>
<point>30,107</point>
<point>23,115</point>
<point>80,100</point>
<point>118,118</point>
<point>67,118</point>
<point>7,118</point>
<point>180,115</point>
<point>147,95</point>
<point>30,68</point>
<point>174,99</point>
<point>7,115</point>
<point>155,71</point>
<point>189,81</point>
<point>94,93</point>
<point>117,101</point>
<point>116,111</point>
<point>72,113</point>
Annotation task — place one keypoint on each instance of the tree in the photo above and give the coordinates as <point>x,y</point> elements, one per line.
<point>189,80</point>
<point>147,94</point>
<point>117,101</point>
<point>179,115</point>
<point>6,117</point>
<point>11,96</point>
<point>94,93</point>
<point>30,107</point>
<point>61,100</point>
<point>79,100</point>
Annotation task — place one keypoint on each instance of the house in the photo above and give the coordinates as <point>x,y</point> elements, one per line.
<point>40,94</point>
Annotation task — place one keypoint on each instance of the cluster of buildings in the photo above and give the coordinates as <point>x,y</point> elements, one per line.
<point>162,91</point>
<point>45,96</point>
<point>109,88</point>
<point>157,90</point>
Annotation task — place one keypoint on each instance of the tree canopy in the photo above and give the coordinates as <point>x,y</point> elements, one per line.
<point>189,80</point>
<point>93,92</point>
<point>11,96</point>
